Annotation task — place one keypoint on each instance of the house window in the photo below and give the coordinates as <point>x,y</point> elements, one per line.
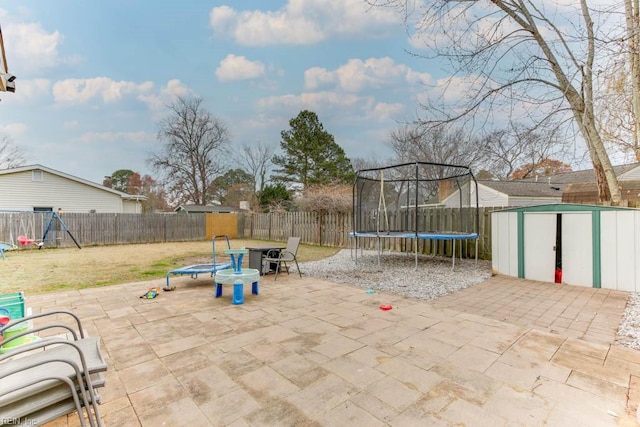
<point>42,209</point>
<point>36,175</point>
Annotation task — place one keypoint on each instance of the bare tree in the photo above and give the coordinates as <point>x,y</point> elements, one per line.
<point>193,148</point>
<point>616,121</point>
<point>509,54</point>
<point>507,150</point>
<point>11,155</point>
<point>256,160</point>
<point>443,144</point>
<point>618,101</point>
<point>370,162</point>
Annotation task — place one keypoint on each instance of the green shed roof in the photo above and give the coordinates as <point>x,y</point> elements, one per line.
<point>564,207</point>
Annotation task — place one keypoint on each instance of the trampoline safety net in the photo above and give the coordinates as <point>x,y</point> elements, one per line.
<point>404,198</point>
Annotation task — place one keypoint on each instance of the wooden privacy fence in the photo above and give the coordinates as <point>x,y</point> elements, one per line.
<point>333,230</point>
<point>218,224</point>
<point>102,228</point>
<point>313,228</point>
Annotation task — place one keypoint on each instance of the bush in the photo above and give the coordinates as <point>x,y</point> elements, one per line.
<point>326,198</point>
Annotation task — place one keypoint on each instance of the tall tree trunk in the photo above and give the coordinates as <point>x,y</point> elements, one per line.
<point>633,35</point>
<point>606,179</point>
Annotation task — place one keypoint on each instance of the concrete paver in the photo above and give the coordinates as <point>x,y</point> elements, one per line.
<point>309,352</point>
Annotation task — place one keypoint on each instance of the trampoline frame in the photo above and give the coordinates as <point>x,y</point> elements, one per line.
<point>196,269</point>
<point>416,234</point>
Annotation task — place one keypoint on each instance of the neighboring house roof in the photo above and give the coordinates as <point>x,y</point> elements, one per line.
<point>525,188</point>
<point>72,178</point>
<point>587,192</point>
<point>205,209</point>
<point>586,175</point>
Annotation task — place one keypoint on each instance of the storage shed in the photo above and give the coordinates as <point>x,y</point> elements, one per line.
<point>583,245</point>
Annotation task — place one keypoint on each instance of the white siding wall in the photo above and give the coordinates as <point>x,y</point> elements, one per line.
<point>486,198</point>
<point>632,175</point>
<point>490,198</point>
<point>453,200</point>
<point>19,192</point>
<point>130,206</point>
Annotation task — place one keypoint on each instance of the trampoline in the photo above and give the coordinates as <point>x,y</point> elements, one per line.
<point>196,269</point>
<point>418,201</point>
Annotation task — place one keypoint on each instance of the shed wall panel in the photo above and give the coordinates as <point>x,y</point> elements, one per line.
<point>504,243</point>
<point>609,250</point>
<point>620,250</point>
<point>504,246</point>
<point>626,258</point>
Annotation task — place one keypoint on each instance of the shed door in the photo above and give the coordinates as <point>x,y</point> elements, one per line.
<point>577,249</point>
<point>539,246</point>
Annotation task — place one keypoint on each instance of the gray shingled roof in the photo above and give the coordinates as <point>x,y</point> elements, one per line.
<point>525,188</point>
<point>205,209</point>
<point>582,176</point>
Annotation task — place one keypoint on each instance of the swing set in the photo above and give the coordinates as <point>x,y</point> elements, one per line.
<point>23,224</point>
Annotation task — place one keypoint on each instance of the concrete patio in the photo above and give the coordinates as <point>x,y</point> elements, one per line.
<point>307,352</point>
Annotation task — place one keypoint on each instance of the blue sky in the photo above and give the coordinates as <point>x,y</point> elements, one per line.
<point>93,78</point>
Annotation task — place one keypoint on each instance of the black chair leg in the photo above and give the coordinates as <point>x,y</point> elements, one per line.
<point>277,270</point>
<point>298,267</point>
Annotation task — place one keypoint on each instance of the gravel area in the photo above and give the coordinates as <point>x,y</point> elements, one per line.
<point>629,329</point>
<point>433,278</point>
<point>396,273</point>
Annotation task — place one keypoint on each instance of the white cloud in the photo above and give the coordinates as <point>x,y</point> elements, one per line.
<point>453,89</point>
<point>80,91</point>
<point>311,100</point>
<point>357,75</point>
<point>158,101</point>
<point>302,22</point>
<point>30,47</point>
<point>332,103</point>
<point>30,89</point>
<point>384,111</point>
<point>316,77</point>
<point>14,130</point>
<point>131,137</point>
<point>234,68</point>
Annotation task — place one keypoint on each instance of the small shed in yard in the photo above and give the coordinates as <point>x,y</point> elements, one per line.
<point>583,245</point>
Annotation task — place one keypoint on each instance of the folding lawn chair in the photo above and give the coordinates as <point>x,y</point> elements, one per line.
<point>282,256</point>
<point>50,377</point>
